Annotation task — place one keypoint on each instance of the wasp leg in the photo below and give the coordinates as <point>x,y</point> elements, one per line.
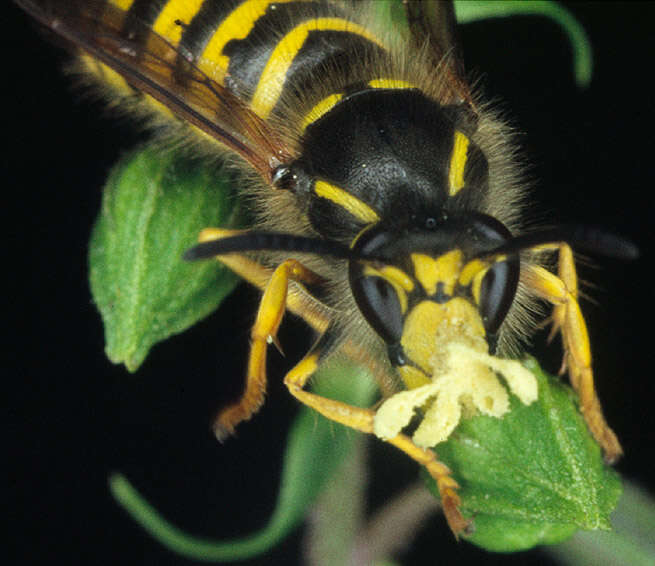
<point>299,301</point>
<point>264,331</point>
<point>278,295</point>
<point>562,291</point>
<point>276,299</point>
<point>362,420</point>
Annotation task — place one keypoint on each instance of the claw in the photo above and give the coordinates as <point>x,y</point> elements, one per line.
<point>276,342</point>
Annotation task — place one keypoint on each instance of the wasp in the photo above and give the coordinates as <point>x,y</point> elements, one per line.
<point>387,194</point>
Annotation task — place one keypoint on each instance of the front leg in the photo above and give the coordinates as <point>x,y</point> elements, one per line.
<point>362,420</point>
<point>275,300</point>
<point>264,331</point>
<point>561,291</point>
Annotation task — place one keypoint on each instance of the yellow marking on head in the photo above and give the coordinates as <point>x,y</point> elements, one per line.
<point>345,200</point>
<point>457,163</point>
<point>237,25</point>
<point>390,83</point>
<point>271,82</point>
<point>470,270</point>
<point>474,273</point>
<point>175,11</point>
<point>397,278</point>
<point>322,108</point>
<point>122,4</point>
<point>445,269</point>
<point>477,284</point>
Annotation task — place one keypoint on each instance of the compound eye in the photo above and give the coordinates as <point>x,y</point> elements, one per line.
<point>497,293</point>
<point>378,301</point>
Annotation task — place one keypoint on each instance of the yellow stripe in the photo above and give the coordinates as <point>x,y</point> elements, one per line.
<point>477,285</point>
<point>344,199</point>
<point>390,83</point>
<point>322,108</point>
<point>172,19</point>
<point>471,269</point>
<point>271,82</point>
<point>457,163</point>
<point>123,4</point>
<point>393,275</point>
<point>397,278</point>
<point>235,26</point>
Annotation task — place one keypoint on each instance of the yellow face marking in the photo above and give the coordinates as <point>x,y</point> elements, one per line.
<point>171,20</point>
<point>390,83</point>
<point>271,82</point>
<point>477,284</point>
<point>457,163</point>
<point>322,108</point>
<point>397,278</point>
<point>123,4</point>
<point>470,270</point>
<point>344,199</point>
<point>236,26</point>
<point>445,269</point>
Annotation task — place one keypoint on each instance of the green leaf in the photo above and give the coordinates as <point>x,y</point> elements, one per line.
<point>154,205</point>
<point>630,542</point>
<point>315,448</point>
<point>533,477</point>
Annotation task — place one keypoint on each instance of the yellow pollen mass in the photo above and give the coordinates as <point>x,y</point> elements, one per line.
<point>448,342</point>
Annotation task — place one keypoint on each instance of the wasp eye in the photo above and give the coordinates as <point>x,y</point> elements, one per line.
<point>497,293</point>
<point>379,303</point>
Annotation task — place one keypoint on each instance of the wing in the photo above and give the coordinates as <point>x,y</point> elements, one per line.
<point>433,26</point>
<point>154,66</point>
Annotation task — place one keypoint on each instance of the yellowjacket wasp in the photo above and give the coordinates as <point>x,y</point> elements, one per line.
<point>378,165</point>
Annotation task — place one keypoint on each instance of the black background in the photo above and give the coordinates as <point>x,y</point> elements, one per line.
<point>72,417</point>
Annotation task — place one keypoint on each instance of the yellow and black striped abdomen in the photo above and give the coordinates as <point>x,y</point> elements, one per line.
<point>258,49</point>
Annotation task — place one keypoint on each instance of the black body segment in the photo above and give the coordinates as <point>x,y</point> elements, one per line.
<point>393,153</point>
